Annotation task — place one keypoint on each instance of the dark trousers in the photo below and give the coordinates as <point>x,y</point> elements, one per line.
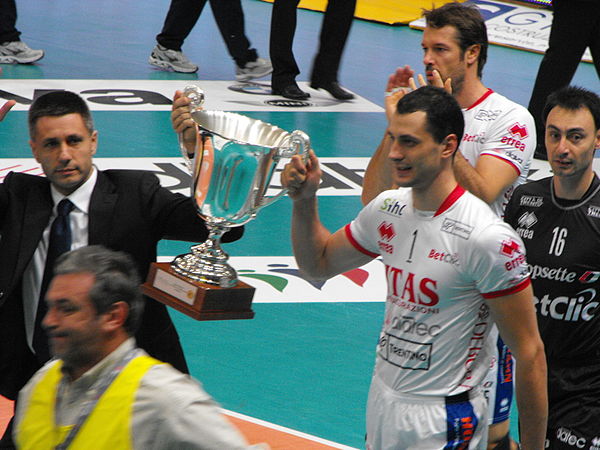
<point>183,15</point>
<point>334,33</point>
<point>575,26</point>
<point>8,20</point>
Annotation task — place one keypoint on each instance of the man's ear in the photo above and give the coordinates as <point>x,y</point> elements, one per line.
<point>472,53</point>
<point>450,143</point>
<point>94,138</point>
<point>116,316</point>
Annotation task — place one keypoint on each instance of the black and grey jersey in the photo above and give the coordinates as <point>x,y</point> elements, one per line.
<point>562,241</point>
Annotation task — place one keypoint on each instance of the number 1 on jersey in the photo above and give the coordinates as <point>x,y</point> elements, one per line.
<point>412,246</point>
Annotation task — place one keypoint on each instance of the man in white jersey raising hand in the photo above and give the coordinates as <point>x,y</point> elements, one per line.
<point>453,269</point>
<point>495,151</point>
<point>499,139</point>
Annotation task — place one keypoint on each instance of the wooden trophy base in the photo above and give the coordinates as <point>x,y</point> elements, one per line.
<point>196,299</point>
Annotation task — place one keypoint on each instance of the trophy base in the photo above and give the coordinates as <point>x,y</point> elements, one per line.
<point>196,299</point>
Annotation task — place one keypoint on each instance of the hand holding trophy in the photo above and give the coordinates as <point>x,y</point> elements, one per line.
<point>234,160</point>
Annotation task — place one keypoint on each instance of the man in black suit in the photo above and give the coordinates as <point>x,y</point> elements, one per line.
<point>123,210</point>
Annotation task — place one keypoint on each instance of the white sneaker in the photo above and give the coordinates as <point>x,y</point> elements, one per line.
<point>171,59</point>
<point>254,69</point>
<point>18,52</point>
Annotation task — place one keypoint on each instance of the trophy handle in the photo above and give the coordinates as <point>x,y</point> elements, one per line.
<point>300,145</point>
<point>196,96</point>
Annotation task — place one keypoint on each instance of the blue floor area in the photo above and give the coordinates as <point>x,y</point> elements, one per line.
<point>305,366</point>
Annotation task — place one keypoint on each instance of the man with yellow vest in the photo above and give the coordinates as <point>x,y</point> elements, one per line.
<point>101,391</point>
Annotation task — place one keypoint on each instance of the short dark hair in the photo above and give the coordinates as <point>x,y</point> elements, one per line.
<point>116,279</point>
<point>469,25</point>
<point>573,98</point>
<point>59,103</point>
<point>444,115</point>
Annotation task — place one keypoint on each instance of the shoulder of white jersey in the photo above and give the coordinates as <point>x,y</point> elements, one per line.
<point>509,105</point>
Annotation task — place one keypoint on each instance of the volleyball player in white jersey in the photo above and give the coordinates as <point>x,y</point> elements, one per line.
<point>452,268</point>
<point>495,152</point>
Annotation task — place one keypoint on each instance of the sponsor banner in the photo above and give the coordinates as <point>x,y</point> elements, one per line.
<point>341,176</point>
<point>156,95</point>
<point>278,280</point>
<point>515,26</point>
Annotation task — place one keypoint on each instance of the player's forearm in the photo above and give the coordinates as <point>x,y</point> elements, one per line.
<point>378,176</point>
<point>532,399</point>
<point>471,180</point>
<point>309,239</point>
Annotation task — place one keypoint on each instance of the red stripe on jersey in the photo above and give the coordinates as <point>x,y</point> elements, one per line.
<point>512,164</point>
<point>450,200</point>
<point>482,98</point>
<point>511,290</point>
<point>356,245</point>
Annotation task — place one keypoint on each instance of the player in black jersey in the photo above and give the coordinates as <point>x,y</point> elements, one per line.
<point>559,220</point>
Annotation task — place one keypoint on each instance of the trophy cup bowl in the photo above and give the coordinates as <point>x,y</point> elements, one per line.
<point>234,160</point>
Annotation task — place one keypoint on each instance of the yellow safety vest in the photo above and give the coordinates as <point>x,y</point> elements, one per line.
<point>107,427</point>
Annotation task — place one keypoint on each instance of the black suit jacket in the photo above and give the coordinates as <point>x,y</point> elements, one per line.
<point>130,212</point>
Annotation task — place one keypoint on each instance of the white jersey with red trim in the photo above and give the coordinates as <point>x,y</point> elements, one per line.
<point>497,126</point>
<point>439,266</point>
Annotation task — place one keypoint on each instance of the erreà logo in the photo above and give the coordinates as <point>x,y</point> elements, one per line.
<point>386,231</point>
<point>518,130</point>
<point>508,248</point>
<point>527,220</point>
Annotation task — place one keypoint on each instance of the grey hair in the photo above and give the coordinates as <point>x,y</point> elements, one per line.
<point>116,279</point>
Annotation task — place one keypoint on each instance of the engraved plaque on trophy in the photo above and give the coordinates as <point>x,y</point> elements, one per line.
<point>234,160</point>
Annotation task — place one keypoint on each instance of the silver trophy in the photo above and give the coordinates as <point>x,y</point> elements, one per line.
<point>234,161</point>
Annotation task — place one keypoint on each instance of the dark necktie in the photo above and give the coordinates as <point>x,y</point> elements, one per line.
<point>59,243</point>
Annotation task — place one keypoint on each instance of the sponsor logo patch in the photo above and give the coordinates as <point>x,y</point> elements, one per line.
<point>392,206</point>
<point>518,130</point>
<point>509,248</point>
<point>561,274</point>
<point>449,258</point>
<point>486,115</point>
<point>386,231</point>
<point>404,353</point>
<point>526,221</point>
<point>579,307</point>
<point>479,138</point>
<point>531,200</point>
<point>457,228</point>
<point>594,211</point>
<point>569,437</point>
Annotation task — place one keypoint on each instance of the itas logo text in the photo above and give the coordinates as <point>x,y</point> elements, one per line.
<point>386,234</point>
<point>409,289</point>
